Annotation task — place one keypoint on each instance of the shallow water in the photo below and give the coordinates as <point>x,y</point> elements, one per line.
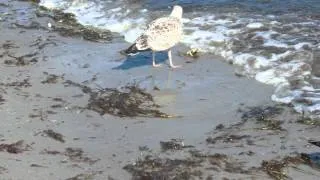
<point>271,41</point>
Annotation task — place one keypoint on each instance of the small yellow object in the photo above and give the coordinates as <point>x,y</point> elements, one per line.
<point>193,52</point>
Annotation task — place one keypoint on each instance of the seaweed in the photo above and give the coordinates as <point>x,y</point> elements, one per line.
<point>227,138</point>
<point>276,168</point>
<point>192,167</point>
<point>24,83</point>
<point>51,79</point>
<point>85,89</point>
<point>77,155</point>
<point>308,121</point>
<point>37,165</point>
<point>85,176</point>
<point>130,102</point>
<point>151,168</point>
<point>15,148</point>
<point>31,25</point>
<point>50,152</point>
<point>74,154</point>
<point>220,162</point>
<point>67,25</point>
<point>173,144</point>
<point>54,135</point>
<point>82,176</point>
<point>264,115</point>
<point>3,169</point>
<point>9,45</point>
<point>40,43</point>
<point>220,127</point>
<point>22,60</point>
<point>1,100</point>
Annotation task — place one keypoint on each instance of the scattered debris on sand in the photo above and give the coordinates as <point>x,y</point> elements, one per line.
<point>51,78</point>
<point>40,113</point>
<point>29,25</point>
<point>3,170</point>
<point>190,167</point>
<point>17,84</point>
<point>38,165</point>
<point>1,100</point>
<point>156,168</point>
<point>85,176</point>
<point>54,135</point>
<point>264,116</point>
<point>77,154</point>
<point>9,45</point>
<point>74,155</point>
<point>276,168</point>
<point>309,121</point>
<point>174,144</point>
<point>15,148</point>
<point>228,138</point>
<point>23,60</point>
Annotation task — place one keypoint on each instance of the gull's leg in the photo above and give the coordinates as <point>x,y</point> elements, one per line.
<point>154,60</point>
<point>170,60</point>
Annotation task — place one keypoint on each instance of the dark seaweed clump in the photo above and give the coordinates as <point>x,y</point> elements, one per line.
<point>2,169</point>
<point>23,60</point>
<point>74,154</point>
<point>227,138</point>
<point>51,79</point>
<point>131,101</point>
<point>151,168</point>
<point>192,167</point>
<point>67,25</point>
<point>173,144</point>
<point>54,135</point>
<point>17,84</point>
<point>85,176</point>
<point>14,148</point>
<point>276,168</point>
<point>265,116</point>
<point>1,100</point>
<point>77,154</point>
<point>309,121</point>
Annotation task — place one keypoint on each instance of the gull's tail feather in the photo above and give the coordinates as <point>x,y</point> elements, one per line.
<point>132,49</point>
<point>316,143</point>
<point>139,46</point>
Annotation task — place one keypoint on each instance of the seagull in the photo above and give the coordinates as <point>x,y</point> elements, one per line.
<point>161,35</point>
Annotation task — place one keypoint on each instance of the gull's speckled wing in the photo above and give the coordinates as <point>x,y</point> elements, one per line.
<point>162,33</point>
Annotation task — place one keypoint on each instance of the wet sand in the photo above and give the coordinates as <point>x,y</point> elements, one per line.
<point>212,101</point>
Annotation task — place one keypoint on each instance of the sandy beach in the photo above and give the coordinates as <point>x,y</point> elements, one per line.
<point>219,126</point>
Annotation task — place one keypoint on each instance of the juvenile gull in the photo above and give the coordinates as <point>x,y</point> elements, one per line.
<point>162,34</point>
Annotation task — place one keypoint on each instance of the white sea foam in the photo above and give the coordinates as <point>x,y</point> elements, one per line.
<point>256,25</point>
<point>275,43</point>
<point>286,60</point>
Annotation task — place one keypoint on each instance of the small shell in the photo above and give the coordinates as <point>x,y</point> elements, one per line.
<point>193,52</point>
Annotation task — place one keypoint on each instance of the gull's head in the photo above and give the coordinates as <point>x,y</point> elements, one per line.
<point>177,12</point>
